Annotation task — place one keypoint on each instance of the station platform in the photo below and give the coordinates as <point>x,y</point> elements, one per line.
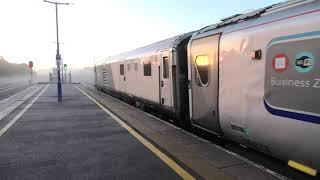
<point>91,135</point>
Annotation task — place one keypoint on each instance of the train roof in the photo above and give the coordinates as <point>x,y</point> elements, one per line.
<point>243,21</point>
<point>149,49</point>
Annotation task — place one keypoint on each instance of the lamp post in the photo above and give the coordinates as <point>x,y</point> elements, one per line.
<point>58,56</point>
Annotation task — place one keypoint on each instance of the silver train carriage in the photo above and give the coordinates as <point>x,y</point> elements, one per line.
<point>253,78</point>
<point>152,77</point>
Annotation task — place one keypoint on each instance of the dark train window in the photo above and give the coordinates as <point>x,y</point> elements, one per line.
<point>147,68</point>
<point>202,70</point>
<point>165,67</point>
<point>128,67</point>
<point>122,69</point>
<point>136,66</point>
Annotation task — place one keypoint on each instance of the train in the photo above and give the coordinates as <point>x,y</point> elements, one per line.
<point>253,78</point>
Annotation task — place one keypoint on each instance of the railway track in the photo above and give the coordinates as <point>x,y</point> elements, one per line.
<point>9,89</point>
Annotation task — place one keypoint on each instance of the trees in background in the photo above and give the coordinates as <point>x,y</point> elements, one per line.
<point>10,69</point>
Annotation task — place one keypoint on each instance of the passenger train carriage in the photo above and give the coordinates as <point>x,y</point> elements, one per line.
<point>154,76</point>
<point>253,78</point>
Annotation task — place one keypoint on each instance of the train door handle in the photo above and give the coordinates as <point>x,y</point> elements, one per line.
<point>124,78</point>
<point>162,83</point>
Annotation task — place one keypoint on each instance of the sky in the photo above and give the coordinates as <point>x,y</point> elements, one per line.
<point>91,30</point>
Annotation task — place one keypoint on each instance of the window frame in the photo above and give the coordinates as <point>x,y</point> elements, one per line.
<point>165,67</point>
<point>197,74</point>
<point>121,69</point>
<point>149,63</point>
<point>135,66</point>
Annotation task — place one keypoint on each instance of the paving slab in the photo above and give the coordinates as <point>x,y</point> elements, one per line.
<point>215,156</point>
<point>247,172</point>
<point>74,139</point>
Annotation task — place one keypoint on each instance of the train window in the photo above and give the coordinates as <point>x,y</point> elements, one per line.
<point>128,67</point>
<point>147,68</point>
<point>202,70</point>
<point>165,67</point>
<point>136,66</point>
<point>122,69</point>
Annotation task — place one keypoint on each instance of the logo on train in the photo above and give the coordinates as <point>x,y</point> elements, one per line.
<point>280,63</point>
<point>304,62</point>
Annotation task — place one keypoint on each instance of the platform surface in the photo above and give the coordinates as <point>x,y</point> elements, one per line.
<point>206,159</point>
<point>80,139</point>
<point>74,139</point>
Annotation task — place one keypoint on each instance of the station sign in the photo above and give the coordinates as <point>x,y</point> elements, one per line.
<point>58,59</point>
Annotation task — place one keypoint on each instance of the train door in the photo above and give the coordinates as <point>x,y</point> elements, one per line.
<point>122,77</point>
<point>165,81</point>
<point>203,76</point>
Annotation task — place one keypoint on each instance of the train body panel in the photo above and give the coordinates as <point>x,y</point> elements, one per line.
<point>140,83</point>
<point>243,114</point>
<point>128,77</point>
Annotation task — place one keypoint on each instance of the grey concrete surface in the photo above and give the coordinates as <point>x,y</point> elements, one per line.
<point>11,103</point>
<point>202,157</point>
<point>74,139</point>
<point>9,89</point>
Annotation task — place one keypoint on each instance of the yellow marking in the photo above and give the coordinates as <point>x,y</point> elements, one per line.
<point>173,165</point>
<point>302,168</point>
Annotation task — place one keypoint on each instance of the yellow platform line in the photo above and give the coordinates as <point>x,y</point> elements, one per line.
<point>172,164</point>
<point>302,168</point>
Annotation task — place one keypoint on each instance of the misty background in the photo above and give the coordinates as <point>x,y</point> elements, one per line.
<point>92,30</point>
<point>11,73</point>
